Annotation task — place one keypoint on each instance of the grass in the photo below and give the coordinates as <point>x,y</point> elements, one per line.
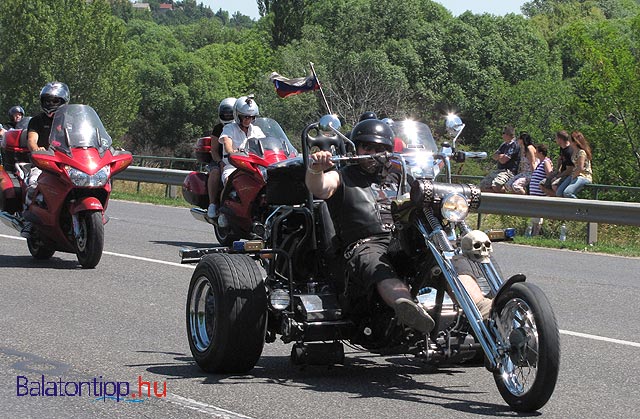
<point>612,239</point>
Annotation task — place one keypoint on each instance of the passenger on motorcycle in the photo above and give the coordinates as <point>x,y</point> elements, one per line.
<point>225,116</point>
<point>359,199</point>
<point>234,135</point>
<point>16,113</point>
<point>52,96</point>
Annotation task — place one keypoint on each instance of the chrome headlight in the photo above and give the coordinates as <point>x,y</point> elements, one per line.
<point>279,299</point>
<point>80,178</point>
<point>454,207</point>
<point>452,200</point>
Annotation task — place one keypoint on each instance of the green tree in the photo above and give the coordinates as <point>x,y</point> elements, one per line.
<point>79,43</point>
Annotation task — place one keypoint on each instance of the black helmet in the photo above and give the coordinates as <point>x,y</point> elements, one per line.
<point>225,110</point>
<point>16,109</point>
<point>368,115</point>
<point>373,131</point>
<point>53,95</point>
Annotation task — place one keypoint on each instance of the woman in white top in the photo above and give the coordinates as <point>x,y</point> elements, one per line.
<point>235,135</point>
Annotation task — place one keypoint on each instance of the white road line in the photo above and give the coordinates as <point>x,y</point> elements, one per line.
<point>122,255</point>
<point>602,338</point>
<point>150,260</point>
<point>189,266</point>
<point>214,411</point>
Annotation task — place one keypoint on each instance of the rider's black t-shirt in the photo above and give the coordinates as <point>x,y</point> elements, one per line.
<point>41,124</point>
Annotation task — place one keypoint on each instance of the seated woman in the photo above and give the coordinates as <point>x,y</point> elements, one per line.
<point>582,173</point>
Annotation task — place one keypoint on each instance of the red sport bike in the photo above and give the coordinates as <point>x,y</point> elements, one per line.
<point>67,207</point>
<point>243,200</point>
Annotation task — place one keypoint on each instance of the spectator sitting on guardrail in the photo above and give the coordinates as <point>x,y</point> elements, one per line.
<point>507,157</point>
<point>540,173</point>
<point>565,165</point>
<point>581,174</point>
<point>542,170</point>
<point>528,162</point>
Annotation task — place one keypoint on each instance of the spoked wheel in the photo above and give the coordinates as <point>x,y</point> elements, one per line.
<point>39,249</point>
<point>226,313</point>
<point>526,375</point>
<point>90,241</point>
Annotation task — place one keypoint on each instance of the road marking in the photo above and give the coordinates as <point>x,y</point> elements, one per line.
<point>602,338</point>
<point>122,255</point>
<point>564,332</point>
<point>217,412</point>
<point>150,260</point>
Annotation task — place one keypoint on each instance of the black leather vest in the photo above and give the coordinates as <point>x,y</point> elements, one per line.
<point>361,207</point>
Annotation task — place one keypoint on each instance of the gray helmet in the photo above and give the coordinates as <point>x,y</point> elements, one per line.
<point>225,110</point>
<point>53,95</point>
<point>245,106</point>
<point>373,131</point>
<point>14,110</point>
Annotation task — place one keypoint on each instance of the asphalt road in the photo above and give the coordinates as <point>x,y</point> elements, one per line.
<point>98,331</point>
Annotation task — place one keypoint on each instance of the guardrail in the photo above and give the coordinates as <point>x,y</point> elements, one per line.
<point>586,210</point>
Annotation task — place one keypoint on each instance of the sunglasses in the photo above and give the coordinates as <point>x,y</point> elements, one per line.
<point>53,101</point>
<point>251,117</point>
<point>369,147</point>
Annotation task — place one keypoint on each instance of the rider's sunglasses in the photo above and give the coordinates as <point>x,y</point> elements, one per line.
<point>369,147</point>
<point>251,117</point>
<point>53,101</point>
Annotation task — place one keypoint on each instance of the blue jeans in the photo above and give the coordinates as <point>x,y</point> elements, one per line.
<point>570,187</point>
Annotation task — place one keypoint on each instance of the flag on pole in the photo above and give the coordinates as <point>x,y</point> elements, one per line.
<point>287,87</point>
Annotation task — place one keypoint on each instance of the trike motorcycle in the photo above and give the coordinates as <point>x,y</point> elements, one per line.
<point>243,198</point>
<point>304,294</point>
<point>67,207</point>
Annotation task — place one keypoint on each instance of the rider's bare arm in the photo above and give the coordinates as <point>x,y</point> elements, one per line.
<point>32,141</point>
<point>322,185</point>
<point>227,144</point>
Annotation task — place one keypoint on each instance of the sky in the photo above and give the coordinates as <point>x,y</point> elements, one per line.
<point>496,7</point>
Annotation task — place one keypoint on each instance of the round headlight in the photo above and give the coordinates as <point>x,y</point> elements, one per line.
<point>455,207</point>
<point>279,299</point>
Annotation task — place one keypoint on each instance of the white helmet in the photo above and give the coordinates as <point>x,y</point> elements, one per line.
<point>225,110</point>
<point>245,106</point>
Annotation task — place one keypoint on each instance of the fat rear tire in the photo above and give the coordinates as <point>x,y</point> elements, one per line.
<point>226,313</point>
<point>526,378</point>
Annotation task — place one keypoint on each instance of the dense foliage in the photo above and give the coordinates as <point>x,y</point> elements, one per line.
<point>156,76</point>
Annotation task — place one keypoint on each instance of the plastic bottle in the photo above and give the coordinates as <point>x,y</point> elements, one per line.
<point>529,231</point>
<point>563,232</point>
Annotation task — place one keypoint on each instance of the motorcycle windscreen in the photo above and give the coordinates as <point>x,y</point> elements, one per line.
<point>418,148</point>
<point>279,142</point>
<point>78,126</point>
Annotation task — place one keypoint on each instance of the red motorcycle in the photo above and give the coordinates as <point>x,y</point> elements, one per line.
<point>67,207</point>
<point>243,200</point>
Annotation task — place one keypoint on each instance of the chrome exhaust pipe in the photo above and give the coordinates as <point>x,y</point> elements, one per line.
<point>200,214</point>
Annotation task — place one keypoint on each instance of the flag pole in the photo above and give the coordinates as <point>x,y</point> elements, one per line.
<point>324,98</point>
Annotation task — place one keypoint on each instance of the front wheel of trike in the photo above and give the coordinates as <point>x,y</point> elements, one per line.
<point>527,373</point>
<point>226,313</point>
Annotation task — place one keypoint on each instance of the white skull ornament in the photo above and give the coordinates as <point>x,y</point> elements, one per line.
<point>476,245</point>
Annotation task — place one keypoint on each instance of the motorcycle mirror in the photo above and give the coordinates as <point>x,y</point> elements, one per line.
<point>454,124</point>
<point>327,122</point>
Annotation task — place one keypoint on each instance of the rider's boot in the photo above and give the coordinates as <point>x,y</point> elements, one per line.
<point>412,315</point>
